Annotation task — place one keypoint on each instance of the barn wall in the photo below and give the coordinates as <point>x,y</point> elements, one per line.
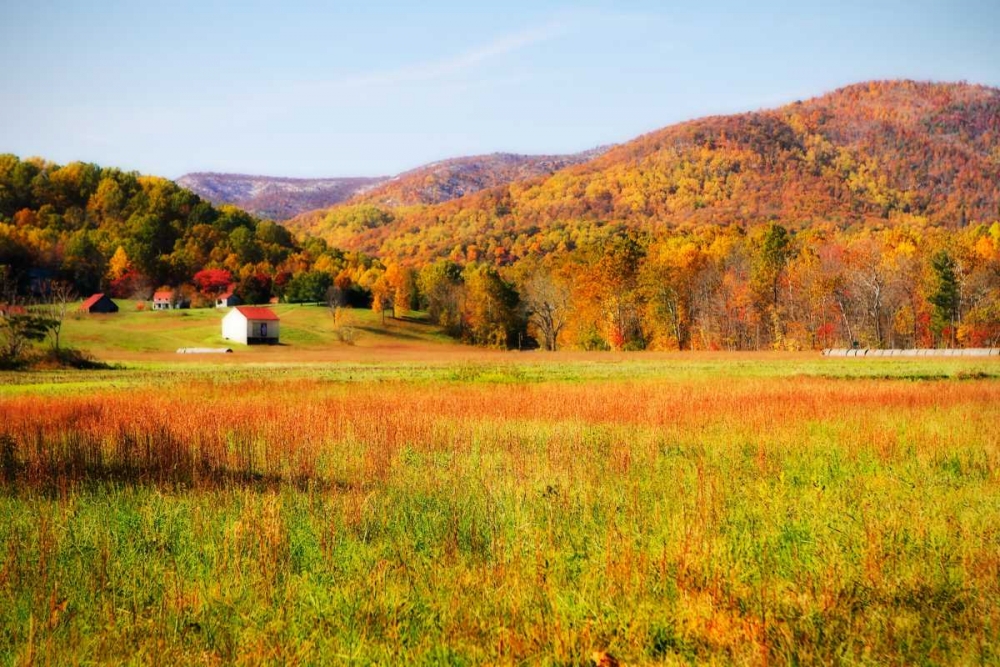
<point>104,305</point>
<point>235,327</point>
<point>253,329</point>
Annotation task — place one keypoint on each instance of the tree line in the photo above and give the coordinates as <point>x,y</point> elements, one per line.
<point>103,229</point>
<point>738,287</point>
<point>733,289</point>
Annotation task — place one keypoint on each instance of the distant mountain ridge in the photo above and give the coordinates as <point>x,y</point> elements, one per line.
<point>280,198</point>
<point>275,198</point>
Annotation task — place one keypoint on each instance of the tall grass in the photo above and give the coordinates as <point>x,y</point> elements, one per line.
<point>297,520</point>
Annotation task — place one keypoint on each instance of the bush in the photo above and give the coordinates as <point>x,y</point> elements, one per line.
<point>67,357</point>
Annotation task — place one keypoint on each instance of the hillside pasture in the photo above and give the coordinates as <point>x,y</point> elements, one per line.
<point>131,332</point>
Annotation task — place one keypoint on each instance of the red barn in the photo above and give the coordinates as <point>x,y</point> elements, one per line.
<point>99,303</point>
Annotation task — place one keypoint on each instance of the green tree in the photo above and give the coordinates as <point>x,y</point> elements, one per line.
<point>83,261</point>
<point>773,252</point>
<point>946,297</point>
<point>18,333</point>
<point>443,291</point>
<point>308,287</point>
<point>243,244</point>
<point>491,308</point>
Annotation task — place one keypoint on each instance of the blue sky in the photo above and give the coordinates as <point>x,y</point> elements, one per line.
<point>370,88</point>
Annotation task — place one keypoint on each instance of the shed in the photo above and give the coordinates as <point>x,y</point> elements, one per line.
<point>162,300</point>
<point>168,300</point>
<point>251,325</point>
<point>227,300</point>
<point>99,303</point>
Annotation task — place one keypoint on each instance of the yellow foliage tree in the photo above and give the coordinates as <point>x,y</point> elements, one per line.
<point>119,264</point>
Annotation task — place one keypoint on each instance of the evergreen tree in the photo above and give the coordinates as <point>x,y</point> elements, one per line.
<point>946,296</point>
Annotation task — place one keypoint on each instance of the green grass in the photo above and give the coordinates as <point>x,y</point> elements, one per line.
<point>522,509</point>
<point>303,327</point>
<point>499,368</point>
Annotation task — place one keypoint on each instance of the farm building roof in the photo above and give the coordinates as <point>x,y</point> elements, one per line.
<point>257,313</point>
<point>164,295</point>
<point>7,309</point>
<point>92,300</point>
<point>226,295</point>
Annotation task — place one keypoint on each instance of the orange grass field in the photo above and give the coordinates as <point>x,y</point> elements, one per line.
<point>503,509</point>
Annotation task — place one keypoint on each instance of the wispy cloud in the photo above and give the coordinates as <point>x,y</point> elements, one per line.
<point>463,62</point>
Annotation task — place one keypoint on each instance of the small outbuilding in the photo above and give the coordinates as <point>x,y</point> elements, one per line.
<point>227,300</point>
<point>251,325</point>
<point>163,300</point>
<point>99,303</point>
<point>168,300</point>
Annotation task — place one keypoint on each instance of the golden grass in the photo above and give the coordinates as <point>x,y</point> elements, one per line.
<point>658,510</point>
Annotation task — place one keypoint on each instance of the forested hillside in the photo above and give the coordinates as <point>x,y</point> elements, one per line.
<point>865,215</point>
<point>433,184</point>
<point>880,153</point>
<point>105,229</point>
<point>868,216</point>
<point>450,179</point>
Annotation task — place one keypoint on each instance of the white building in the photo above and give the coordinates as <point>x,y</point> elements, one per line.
<point>168,300</point>
<point>163,300</point>
<point>250,325</point>
<point>227,300</point>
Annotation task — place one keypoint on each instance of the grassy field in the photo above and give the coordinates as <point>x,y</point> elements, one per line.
<point>306,327</point>
<point>404,502</point>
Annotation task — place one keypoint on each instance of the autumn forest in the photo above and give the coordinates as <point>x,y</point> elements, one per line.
<point>868,216</point>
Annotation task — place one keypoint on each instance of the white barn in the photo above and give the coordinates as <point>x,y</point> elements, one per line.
<point>251,325</point>
<point>169,300</point>
<point>227,300</point>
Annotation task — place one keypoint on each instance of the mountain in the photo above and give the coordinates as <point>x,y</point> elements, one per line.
<point>450,179</point>
<point>282,198</point>
<point>275,198</point>
<point>876,153</point>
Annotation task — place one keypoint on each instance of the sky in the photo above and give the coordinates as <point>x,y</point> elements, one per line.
<point>367,88</point>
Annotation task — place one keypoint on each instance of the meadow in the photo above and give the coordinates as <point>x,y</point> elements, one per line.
<point>134,334</point>
<point>387,505</point>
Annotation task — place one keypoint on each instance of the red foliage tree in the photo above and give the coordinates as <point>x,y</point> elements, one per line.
<point>213,281</point>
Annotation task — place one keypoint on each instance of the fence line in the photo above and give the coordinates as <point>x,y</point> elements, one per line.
<point>915,352</point>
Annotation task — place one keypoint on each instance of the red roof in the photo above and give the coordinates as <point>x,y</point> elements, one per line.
<point>226,295</point>
<point>8,309</point>
<point>163,296</point>
<point>92,300</point>
<point>257,313</point>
